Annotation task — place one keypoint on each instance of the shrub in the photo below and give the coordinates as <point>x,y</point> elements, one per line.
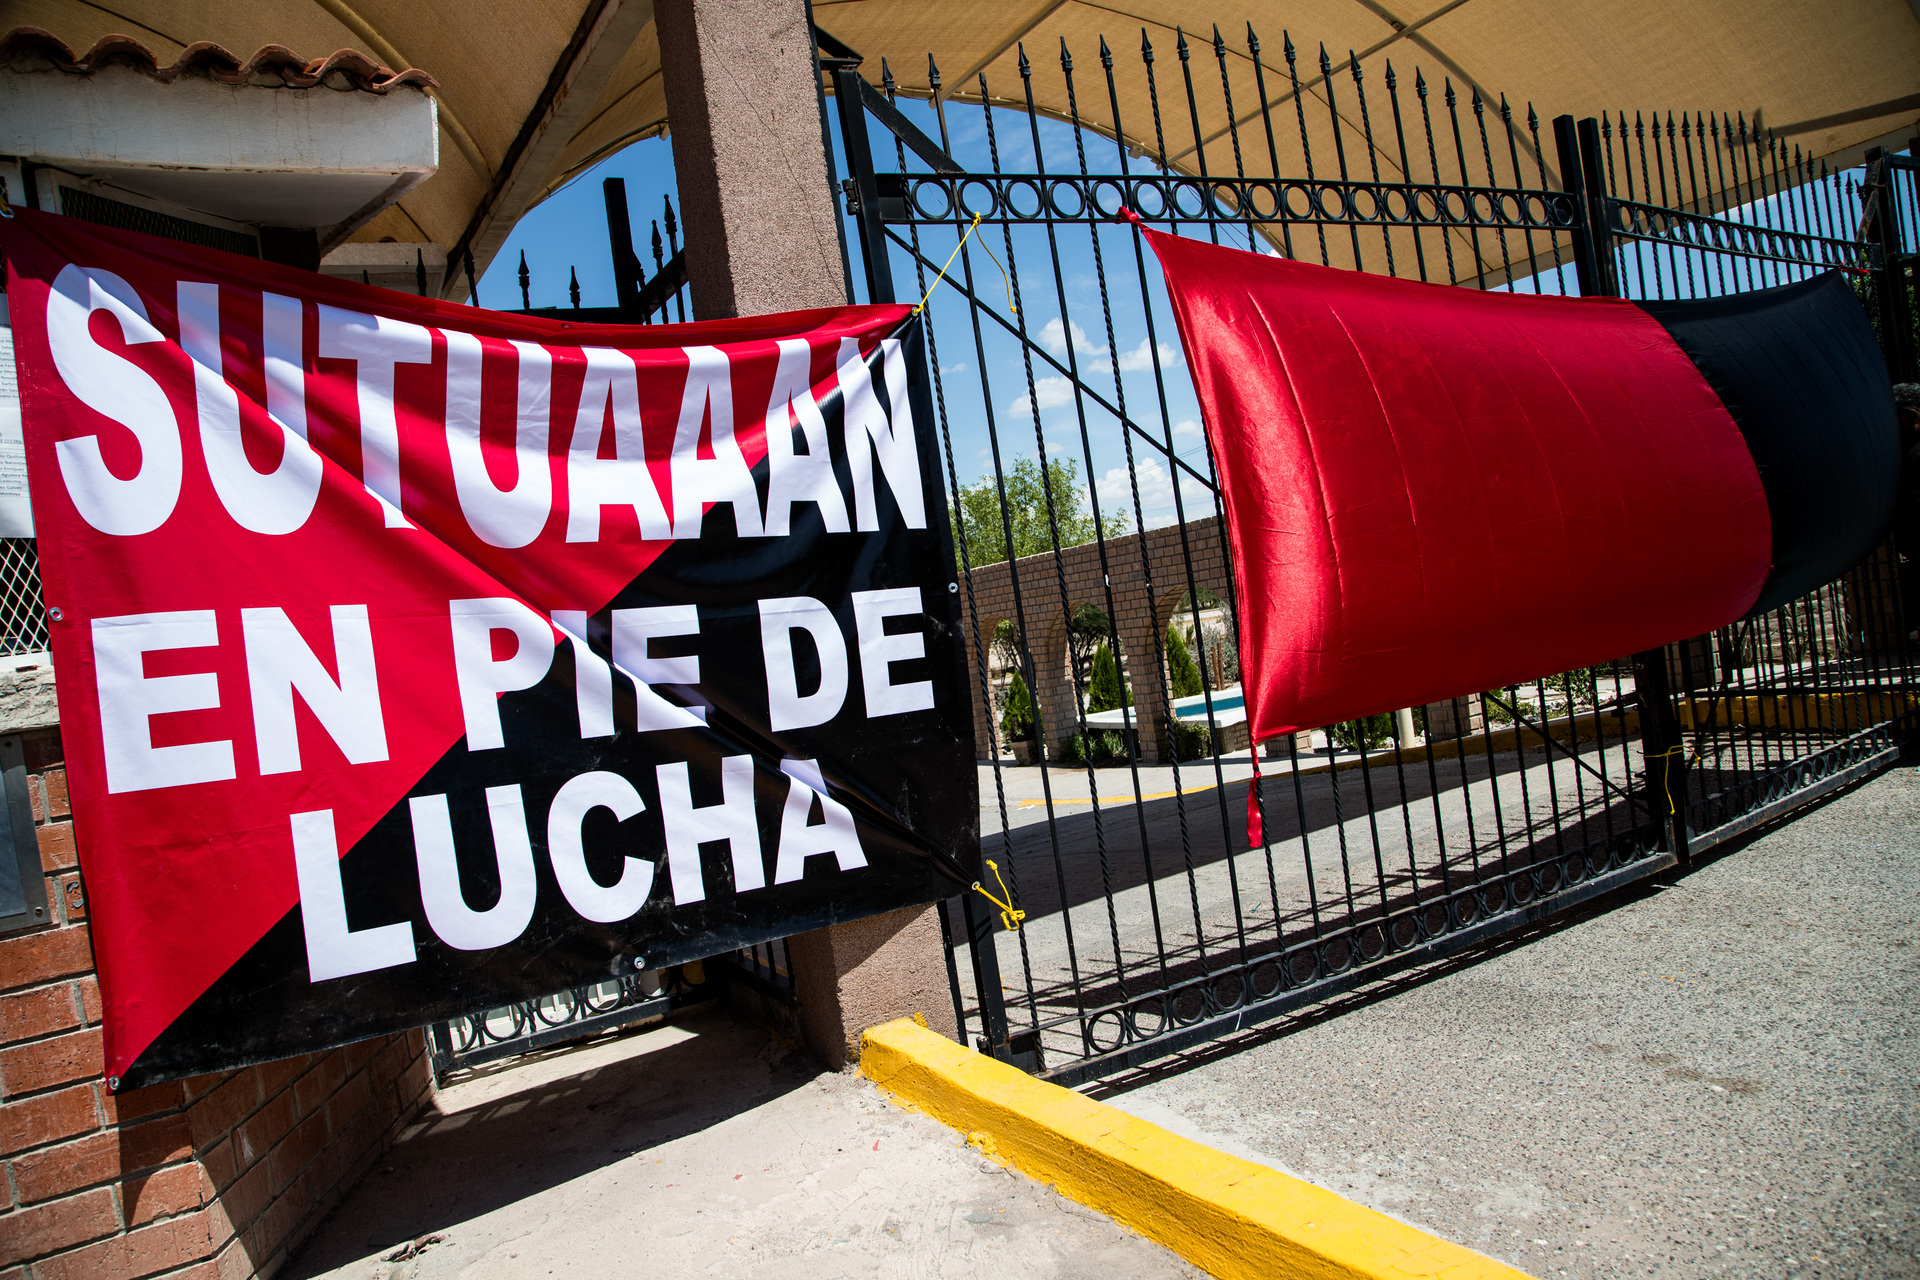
<point>1102,746</point>
<point>1105,690</point>
<point>1189,741</point>
<point>1019,721</point>
<point>1182,672</point>
<point>1363,735</point>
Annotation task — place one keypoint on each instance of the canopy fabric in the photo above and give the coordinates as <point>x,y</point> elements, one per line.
<point>531,94</point>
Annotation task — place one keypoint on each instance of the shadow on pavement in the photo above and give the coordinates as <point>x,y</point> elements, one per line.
<point>511,1134</point>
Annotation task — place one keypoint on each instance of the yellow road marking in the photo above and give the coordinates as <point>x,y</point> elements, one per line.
<point>1234,1219</point>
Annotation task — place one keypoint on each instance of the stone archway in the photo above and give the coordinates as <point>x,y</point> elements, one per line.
<point>1140,582</point>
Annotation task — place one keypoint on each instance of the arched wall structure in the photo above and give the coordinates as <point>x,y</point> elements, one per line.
<point>1146,573</point>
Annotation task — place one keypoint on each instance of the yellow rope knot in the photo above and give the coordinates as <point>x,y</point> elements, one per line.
<point>1010,915</point>
<point>922,305</point>
<point>1666,772</point>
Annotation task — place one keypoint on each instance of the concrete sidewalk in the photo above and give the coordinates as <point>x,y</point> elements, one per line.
<point>1716,1078</point>
<point>702,1149</point>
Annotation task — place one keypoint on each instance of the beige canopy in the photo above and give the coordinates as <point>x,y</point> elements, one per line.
<point>531,94</point>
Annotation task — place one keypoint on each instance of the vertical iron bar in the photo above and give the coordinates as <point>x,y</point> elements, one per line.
<point>1519,186</point>
<point>626,265</point>
<point>866,191</point>
<point>1586,243</point>
<point>1306,147</point>
<point>1273,150</point>
<point>1493,184</point>
<point>1466,196</point>
<point>1139,509</point>
<point>1679,253</point>
<point>1433,168</point>
<point>1339,151</point>
<point>1199,143</point>
<point>989,993</point>
<point>1406,170</point>
<point>1373,164</point>
<point>1896,321</point>
<point>673,243</point>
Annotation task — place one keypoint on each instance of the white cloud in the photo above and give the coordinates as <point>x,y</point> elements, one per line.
<point>1053,338</point>
<point>1141,357</point>
<point>1053,392</point>
<point>1186,427</point>
<point>1096,358</point>
<point>959,367</point>
<point>1156,494</point>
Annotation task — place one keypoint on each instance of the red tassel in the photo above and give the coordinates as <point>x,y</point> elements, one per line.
<point>1256,830</point>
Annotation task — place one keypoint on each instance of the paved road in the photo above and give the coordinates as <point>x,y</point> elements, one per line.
<point>1717,1078</point>
<point>700,1149</point>
<point>1358,836</point>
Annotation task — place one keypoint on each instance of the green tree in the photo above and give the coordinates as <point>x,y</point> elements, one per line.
<point>1026,511</point>
<point>1087,629</point>
<point>1106,691</point>
<point>1006,643</point>
<point>1362,735</point>
<point>1181,669</point>
<point>1018,721</point>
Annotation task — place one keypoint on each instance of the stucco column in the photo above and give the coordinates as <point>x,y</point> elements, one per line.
<point>744,115</point>
<point>762,236</point>
<point>1143,638</point>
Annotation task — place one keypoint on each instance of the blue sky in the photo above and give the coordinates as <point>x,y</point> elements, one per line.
<point>568,233</point>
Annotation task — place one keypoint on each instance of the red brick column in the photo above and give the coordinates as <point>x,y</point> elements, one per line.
<point>230,1171</point>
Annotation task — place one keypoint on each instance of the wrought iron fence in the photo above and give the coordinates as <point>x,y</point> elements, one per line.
<point>1150,924</point>
<point>660,300</point>
<point>621,1002</point>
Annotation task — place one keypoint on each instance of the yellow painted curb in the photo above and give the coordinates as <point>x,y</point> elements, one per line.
<point>1235,1219</point>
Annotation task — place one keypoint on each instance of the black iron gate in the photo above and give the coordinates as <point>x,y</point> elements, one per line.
<point>1113,810</point>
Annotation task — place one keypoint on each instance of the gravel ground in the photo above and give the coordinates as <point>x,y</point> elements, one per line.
<point>1713,1077</point>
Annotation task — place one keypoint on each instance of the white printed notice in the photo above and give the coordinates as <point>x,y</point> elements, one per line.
<point>16,512</point>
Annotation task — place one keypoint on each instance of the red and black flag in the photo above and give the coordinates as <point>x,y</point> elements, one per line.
<point>1432,491</point>
<point>414,659</point>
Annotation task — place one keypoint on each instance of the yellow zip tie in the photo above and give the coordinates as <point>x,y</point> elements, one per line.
<point>1010,915</point>
<point>921,306</point>
<point>1666,774</point>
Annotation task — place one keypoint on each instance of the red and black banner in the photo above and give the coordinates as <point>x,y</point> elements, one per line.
<point>414,658</point>
<point>1433,491</point>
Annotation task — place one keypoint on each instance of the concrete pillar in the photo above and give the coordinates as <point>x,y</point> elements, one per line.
<point>1141,637</point>
<point>762,230</point>
<point>860,974</point>
<point>1053,689</point>
<point>762,236</point>
<point>1279,749</point>
<point>1456,717</point>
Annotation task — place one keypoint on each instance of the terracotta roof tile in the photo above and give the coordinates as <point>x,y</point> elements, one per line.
<point>271,66</point>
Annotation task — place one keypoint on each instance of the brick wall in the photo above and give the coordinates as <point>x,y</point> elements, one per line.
<point>216,1176</point>
<point>1139,586</point>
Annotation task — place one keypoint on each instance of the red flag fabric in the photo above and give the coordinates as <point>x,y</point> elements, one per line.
<point>1432,491</point>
